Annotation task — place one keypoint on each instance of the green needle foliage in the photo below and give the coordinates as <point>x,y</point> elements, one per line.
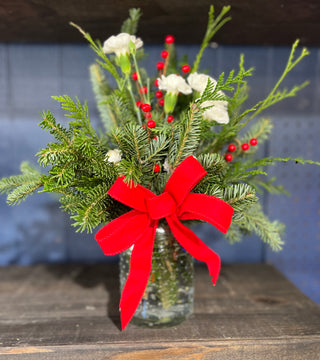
<point>146,146</point>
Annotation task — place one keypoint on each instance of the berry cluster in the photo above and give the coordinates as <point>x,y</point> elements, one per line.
<point>244,147</point>
<point>146,107</point>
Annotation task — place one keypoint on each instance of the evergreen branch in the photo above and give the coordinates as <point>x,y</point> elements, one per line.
<point>101,90</point>
<point>239,196</point>
<point>156,150</point>
<point>213,26</point>
<point>260,185</point>
<point>21,192</point>
<point>130,26</point>
<point>233,234</point>
<point>255,221</point>
<point>18,187</point>
<point>97,48</point>
<point>57,130</point>
<point>190,135</point>
<point>90,211</point>
<point>78,112</point>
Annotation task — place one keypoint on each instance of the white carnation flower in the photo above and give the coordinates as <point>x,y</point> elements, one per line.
<point>174,84</point>
<point>218,112</point>
<point>119,44</point>
<point>199,82</point>
<point>113,156</point>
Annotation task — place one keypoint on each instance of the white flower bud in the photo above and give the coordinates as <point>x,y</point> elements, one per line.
<point>113,156</point>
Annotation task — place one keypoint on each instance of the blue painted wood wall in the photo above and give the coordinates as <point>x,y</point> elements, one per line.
<point>37,231</point>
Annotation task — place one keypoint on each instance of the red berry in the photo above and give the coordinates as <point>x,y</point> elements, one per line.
<point>160,65</point>
<point>231,148</point>
<point>156,168</point>
<point>156,82</point>
<point>228,157</point>
<point>159,94</point>
<point>164,54</point>
<point>253,142</point>
<point>148,115</point>
<point>169,39</point>
<point>143,90</point>
<point>151,124</point>
<point>143,126</point>
<point>245,146</point>
<point>186,68</point>
<point>146,107</point>
<point>161,102</point>
<point>155,138</point>
<point>170,118</point>
<point>138,103</point>
<point>135,76</point>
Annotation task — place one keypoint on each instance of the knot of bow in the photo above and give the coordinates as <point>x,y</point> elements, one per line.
<point>137,227</point>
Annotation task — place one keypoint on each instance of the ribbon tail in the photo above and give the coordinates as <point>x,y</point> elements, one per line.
<point>139,272</point>
<point>195,246</point>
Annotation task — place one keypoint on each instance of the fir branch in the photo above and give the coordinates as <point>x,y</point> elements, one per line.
<point>130,26</point>
<point>240,197</point>
<point>19,187</point>
<point>254,220</point>
<point>57,130</point>
<point>78,112</point>
<point>101,90</point>
<point>268,186</point>
<point>213,26</point>
<point>233,234</point>
<point>156,150</point>
<point>92,209</point>
<point>189,135</point>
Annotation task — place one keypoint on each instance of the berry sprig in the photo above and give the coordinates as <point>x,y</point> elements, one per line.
<point>244,147</point>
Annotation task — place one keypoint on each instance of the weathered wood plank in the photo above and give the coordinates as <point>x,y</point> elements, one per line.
<point>46,311</point>
<point>296,349</point>
<point>254,22</point>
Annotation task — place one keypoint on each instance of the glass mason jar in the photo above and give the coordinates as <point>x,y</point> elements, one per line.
<point>168,298</point>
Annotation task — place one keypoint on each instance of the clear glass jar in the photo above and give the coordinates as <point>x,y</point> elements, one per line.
<point>168,298</point>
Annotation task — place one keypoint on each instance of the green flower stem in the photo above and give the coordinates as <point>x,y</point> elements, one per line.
<point>133,100</point>
<point>139,76</point>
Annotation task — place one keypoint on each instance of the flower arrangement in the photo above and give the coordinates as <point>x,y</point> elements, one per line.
<point>175,146</point>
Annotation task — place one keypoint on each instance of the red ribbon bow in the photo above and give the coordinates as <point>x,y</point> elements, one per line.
<point>137,227</point>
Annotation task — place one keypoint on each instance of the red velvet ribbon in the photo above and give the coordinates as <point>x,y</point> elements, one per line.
<point>137,227</point>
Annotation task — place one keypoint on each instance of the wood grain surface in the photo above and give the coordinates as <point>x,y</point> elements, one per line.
<point>256,22</point>
<point>71,312</point>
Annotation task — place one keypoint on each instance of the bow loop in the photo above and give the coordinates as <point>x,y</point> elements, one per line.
<point>161,206</point>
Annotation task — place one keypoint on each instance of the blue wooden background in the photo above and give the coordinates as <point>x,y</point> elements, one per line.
<point>37,231</point>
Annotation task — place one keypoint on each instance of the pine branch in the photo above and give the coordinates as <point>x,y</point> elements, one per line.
<point>255,221</point>
<point>189,136</point>
<point>130,26</point>
<point>101,90</point>
<point>19,187</point>
<point>57,130</point>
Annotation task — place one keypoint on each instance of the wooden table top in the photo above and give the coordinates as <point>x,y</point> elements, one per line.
<point>71,312</point>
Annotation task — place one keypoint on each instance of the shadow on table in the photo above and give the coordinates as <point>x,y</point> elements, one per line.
<point>90,276</point>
